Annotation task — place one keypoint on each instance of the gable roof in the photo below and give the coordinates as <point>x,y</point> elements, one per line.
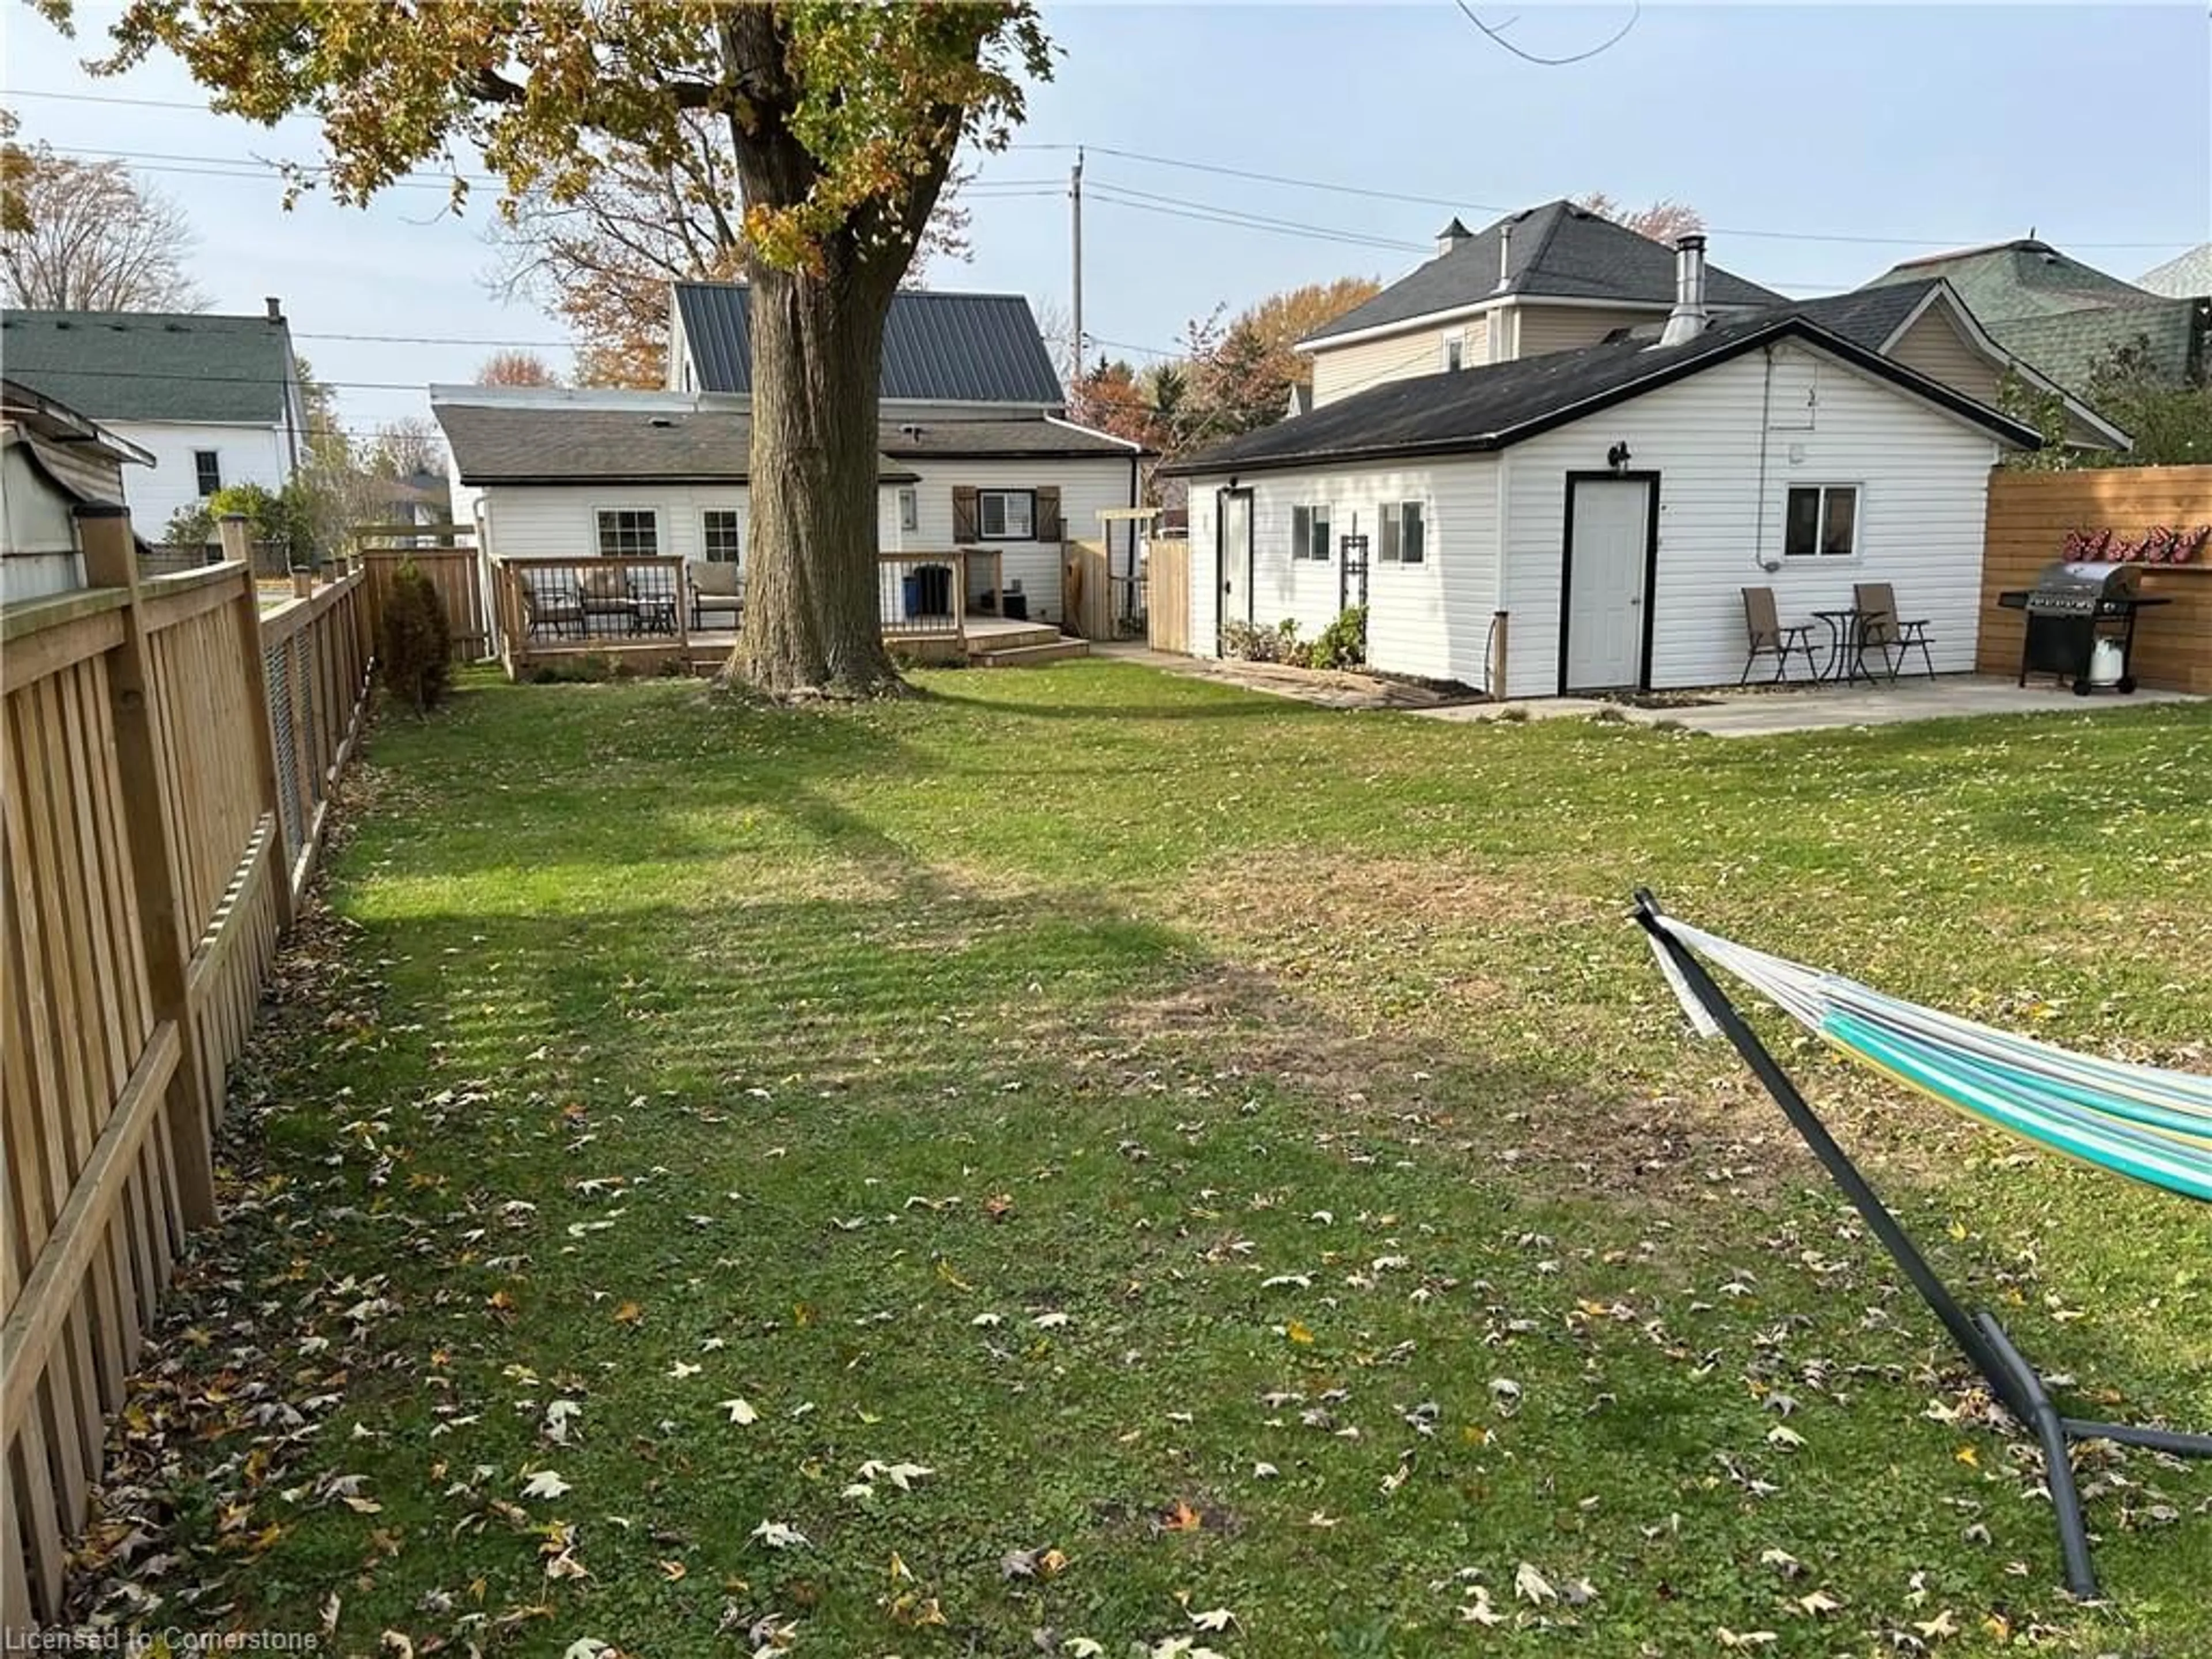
<point>2004,281</point>
<point>938,347</point>
<point>1471,410</point>
<point>154,366</point>
<point>2187,278</point>
<point>49,418</point>
<point>1558,251</point>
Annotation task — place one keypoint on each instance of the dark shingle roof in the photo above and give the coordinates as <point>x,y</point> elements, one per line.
<point>938,347</point>
<point>1558,251</point>
<point>519,443</point>
<point>1484,409</point>
<point>152,366</point>
<point>1003,439</point>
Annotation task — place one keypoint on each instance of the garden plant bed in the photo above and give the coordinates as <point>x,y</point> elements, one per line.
<point>1103,1156</point>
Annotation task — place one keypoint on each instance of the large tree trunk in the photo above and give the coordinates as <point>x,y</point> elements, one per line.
<point>811,620</point>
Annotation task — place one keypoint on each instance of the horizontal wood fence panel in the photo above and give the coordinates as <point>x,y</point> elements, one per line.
<point>152,863</point>
<point>2030,516</point>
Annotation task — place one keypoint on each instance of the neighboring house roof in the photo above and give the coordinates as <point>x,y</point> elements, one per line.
<point>1041,438</point>
<point>938,347</point>
<point>1558,251</point>
<point>1486,409</point>
<point>2187,278</point>
<point>2069,346</point>
<point>530,442</point>
<point>2021,278</point>
<point>154,366</point>
<point>49,419</point>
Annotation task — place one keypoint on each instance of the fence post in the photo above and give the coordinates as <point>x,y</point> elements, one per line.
<point>236,544</point>
<point>111,560</point>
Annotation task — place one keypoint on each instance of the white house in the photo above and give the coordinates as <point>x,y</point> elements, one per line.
<point>52,459</point>
<point>1606,507</point>
<point>214,400</point>
<point>973,450</point>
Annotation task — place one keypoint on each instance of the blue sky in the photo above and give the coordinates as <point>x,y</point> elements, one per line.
<point>1821,143</point>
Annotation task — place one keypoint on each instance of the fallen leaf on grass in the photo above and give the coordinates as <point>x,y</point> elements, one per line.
<point>775,1535</point>
<point>741,1412</point>
<point>1531,1583</point>
<point>545,1484</point>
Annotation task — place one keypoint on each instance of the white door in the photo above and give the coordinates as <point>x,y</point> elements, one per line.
<point>1606,562</point>
<point>1235,556</point>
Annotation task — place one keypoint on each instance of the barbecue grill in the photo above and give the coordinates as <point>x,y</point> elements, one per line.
<point>2081,624</point>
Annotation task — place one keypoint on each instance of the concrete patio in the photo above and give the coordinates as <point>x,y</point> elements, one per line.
<point>1756,712</point>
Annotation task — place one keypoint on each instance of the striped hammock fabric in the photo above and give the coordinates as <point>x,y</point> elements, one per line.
<point>2154,1126</point>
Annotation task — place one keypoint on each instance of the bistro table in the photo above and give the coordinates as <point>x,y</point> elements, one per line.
<point>1847,644</point>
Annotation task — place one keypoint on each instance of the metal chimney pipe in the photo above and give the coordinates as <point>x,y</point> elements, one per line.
<point>1688,318</point>
<point>1504,255</point>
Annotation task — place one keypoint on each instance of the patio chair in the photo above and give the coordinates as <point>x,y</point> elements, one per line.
<point>716,586</point>
<point>1768,638</point>
<point>550,609</point>
<point>1881,629</point>
<point>607,593</point>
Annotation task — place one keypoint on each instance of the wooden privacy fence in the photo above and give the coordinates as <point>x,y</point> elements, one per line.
<point>170,754</point>
<point>454,569</point>
<point>1167,600</point>
<point>2029,516</point>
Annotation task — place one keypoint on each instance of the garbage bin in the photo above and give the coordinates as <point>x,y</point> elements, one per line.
<point>911,594</point>
<point>932,591</point>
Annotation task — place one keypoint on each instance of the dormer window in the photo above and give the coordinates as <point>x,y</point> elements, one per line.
<point>1455,353</point>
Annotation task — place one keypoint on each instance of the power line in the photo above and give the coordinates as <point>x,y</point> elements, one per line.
<point>1308,233</point>
<point>1498,38</point>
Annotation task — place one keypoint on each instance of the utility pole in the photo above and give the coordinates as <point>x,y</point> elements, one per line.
<point>1075,227</point>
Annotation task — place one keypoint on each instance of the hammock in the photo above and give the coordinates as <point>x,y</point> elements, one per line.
<point>2152,1125</point>
<point>2138,1121</point>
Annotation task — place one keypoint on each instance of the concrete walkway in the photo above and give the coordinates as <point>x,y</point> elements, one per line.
<point>1758,714</point>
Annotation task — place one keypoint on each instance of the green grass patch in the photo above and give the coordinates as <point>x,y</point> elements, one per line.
<point>1240,1151</point>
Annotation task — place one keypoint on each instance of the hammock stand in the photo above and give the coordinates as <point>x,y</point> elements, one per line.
<point>1979,1336</point>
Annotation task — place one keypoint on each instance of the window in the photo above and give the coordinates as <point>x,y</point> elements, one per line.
<point>1821,521</point>
<point>1455,352</point>
<point>207,467</point>
<point>1007,515</point>
<point>1405,533</point>
<point>629,532</point>
<point>1309,533</point>
<point>909,505</point>
<point>719,539</point>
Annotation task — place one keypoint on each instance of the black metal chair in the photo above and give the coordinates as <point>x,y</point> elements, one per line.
<point>1881,629</point>
<point>552,609</point>
<point>1768,638</point>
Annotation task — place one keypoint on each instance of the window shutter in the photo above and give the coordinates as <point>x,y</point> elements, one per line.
<point>1048,527</point>
<point>967,515</point>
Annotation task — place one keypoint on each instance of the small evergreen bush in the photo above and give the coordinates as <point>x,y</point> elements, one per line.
<point>413,644</point>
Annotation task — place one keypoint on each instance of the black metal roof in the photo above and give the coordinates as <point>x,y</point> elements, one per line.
<point>1471,410</point>
<point>1558,251</point>
<point>938,347</point>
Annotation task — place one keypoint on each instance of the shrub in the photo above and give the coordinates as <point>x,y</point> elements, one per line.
<point>413,644</point>
<point>1252,643</point>
<point>1343,643</point>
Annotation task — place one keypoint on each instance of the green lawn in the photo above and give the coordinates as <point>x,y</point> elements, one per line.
<point>1148,1157</point>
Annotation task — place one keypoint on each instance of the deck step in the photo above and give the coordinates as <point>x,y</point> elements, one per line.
<point>1030,656</point>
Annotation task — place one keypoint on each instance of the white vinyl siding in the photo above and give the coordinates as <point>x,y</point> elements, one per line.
<point>1431,619</point>
<point>246,455</point>
<point>559,521</point>
<point>1086,484</point>
<point>1340,371</point>
<point>1925,480</point>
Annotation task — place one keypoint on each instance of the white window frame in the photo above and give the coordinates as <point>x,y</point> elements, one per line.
<point>706,541</point>
<point>1819,555</point>
<point>599,546</point>
<point>215,455</point>
<point>1302,546</point>
<point>909,508</point>
<point>983,499</point>
<point>1455,352</point>
<point>1390,531</point>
